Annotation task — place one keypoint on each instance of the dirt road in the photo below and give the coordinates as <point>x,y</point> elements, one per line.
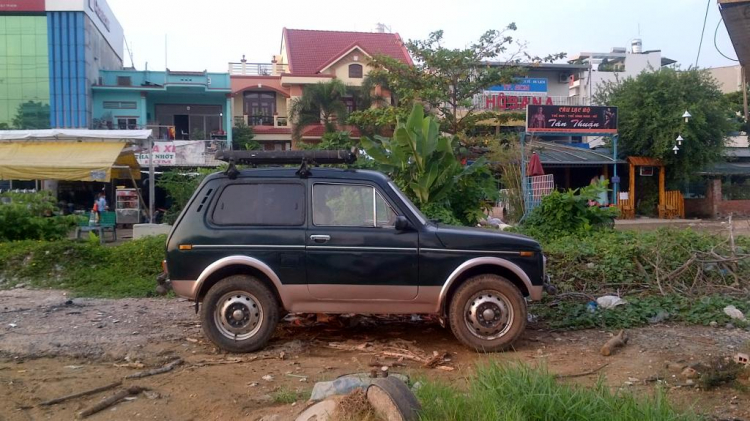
<point>51,346</point>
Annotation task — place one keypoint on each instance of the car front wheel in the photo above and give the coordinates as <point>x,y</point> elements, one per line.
<point>239,314</point>
<point>487,313</point>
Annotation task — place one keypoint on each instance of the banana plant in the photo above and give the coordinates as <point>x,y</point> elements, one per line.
<point>418,158</point>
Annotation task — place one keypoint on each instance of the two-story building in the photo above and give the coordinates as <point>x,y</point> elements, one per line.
<point>197,105</point>
<point>262,93</point>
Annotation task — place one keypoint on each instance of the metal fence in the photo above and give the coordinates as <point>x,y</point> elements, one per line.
<point>257,69</point>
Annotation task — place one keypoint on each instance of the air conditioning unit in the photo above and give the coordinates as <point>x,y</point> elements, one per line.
<point>563,77</point>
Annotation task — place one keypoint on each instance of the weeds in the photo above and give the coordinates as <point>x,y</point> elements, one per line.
<point>518,392</point>
<point>286,396</point>
<point>640,311</point>
<point>85,268</point>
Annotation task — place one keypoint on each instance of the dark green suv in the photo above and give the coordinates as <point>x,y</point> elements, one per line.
<point>254,244</point>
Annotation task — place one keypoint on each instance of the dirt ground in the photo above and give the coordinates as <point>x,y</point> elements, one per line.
<point>51,346</point>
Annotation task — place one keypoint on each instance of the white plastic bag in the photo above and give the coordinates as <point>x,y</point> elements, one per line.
<point>610,301</point>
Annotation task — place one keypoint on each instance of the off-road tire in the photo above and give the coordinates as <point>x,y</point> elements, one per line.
<point>500,286</point>
<point>264,299</point>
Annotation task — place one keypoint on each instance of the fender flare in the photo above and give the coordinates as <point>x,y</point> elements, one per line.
<point>242,261</point>
<point>479,261</point>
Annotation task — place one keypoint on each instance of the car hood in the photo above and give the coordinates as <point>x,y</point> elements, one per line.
<point>483,239</point>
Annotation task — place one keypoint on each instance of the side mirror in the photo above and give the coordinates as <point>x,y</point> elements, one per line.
<point>402,223</point>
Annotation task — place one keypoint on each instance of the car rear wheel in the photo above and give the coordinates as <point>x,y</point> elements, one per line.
<point>239,314</point>
<point>487,313</point>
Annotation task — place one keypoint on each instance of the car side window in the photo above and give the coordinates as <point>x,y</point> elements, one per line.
<point>349,205</point>
<point>280,204</point>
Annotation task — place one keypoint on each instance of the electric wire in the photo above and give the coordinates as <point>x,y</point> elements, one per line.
<point>716,32</point>
<point>703,31</point>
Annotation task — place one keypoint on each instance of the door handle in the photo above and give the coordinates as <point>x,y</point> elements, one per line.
<point>320,238</point>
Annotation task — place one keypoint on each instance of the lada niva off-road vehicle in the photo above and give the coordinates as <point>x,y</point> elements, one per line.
<point>254,244</point>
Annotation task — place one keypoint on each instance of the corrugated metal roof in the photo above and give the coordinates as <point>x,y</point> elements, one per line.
<point>558,155</point>
<point>727,168</point>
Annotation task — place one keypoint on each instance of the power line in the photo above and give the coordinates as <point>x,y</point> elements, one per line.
<point>716,32</point>
<point>705,17</point>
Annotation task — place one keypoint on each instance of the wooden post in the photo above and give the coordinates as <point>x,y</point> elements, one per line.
<point>662,192</point>
<point>631,188</point>
<point>605,171</point>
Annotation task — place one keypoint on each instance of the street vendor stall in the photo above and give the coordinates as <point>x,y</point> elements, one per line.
<point>99,156</point>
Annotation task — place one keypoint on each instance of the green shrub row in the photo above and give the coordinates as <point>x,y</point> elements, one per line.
<point>85,268</point>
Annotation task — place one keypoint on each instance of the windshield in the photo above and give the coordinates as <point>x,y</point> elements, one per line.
<point>409,204</point>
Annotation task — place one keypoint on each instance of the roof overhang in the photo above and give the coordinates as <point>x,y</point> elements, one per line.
<point>71,161</point>
<point>736,15</point>
<point>76,134</point>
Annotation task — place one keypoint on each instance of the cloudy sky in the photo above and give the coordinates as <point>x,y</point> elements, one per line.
<point>207,34</point>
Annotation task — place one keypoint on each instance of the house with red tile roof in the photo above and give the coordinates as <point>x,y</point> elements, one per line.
<point>262,93</point>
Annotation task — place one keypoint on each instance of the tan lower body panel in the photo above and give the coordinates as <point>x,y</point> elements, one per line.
<point>299,300</point>
<point>535,292</point>
<point>185,289</point>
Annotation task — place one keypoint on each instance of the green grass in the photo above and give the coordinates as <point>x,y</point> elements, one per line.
<point>85,268</point>
<point>287,396</point>
<point>638,311</point>
<point>517,392</point>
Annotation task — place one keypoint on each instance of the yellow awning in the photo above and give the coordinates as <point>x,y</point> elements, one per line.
<point>73,161</point>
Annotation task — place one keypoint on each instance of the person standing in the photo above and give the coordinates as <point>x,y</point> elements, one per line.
<point>102,201</point>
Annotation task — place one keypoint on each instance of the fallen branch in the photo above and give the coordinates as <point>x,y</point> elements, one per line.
<point>160,370</point>
<point>405,356</point>
<point>106,403</point>
<point>80,394</point>
<point>585,373</point>
<point>615,342</point>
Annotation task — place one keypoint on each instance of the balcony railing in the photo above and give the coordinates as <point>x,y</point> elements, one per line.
<point>263,120</point>
<point>502,102</point>
<point>257,69</point>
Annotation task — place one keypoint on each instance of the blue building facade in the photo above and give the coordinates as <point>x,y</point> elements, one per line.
<point>175,105</point>
<point>51,52</point>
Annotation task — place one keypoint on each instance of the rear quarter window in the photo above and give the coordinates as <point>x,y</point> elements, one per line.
<point>280,204</point>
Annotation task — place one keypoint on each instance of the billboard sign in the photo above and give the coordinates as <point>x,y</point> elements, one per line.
<point>527,84</point>
<point>567,119</point>
<point>163,152</point>
<point>21,5</point>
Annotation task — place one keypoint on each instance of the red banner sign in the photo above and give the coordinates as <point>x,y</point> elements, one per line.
<point>22,6</point>
<point>514,102</point>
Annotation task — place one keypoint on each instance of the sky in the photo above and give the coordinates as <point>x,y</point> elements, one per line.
<point>206,35</point>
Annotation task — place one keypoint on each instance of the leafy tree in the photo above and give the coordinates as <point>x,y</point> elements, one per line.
<point>180,187</point>
<point>32,115</point>
<point>735,101</point>
<point>423,164</point>
<point>650,107</point>
<point>331,142</point>
<point>243,138</point>
<point>320,103</point>
<point>4,126</point>
<point>446,80</point>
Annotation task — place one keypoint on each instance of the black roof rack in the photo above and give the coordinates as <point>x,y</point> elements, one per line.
<point>303,158</point>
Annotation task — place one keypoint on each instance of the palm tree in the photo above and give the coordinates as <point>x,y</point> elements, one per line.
<point>320,103</point>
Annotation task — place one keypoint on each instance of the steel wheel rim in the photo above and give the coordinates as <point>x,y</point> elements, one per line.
<point>488,315</point>
<point>238,315</point>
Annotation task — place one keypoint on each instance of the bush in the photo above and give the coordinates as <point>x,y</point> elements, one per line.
<point>180,187</point>
<point>30,216</point>
<point>518,392</point>
<point>85,268</point>
<point>655,262</point>
<point>570,212</point>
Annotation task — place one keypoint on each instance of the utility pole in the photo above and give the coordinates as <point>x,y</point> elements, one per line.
<point>744,93</point>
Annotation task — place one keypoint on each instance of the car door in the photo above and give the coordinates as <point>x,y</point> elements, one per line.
<point>262,219</point>
<point>353,251</point>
